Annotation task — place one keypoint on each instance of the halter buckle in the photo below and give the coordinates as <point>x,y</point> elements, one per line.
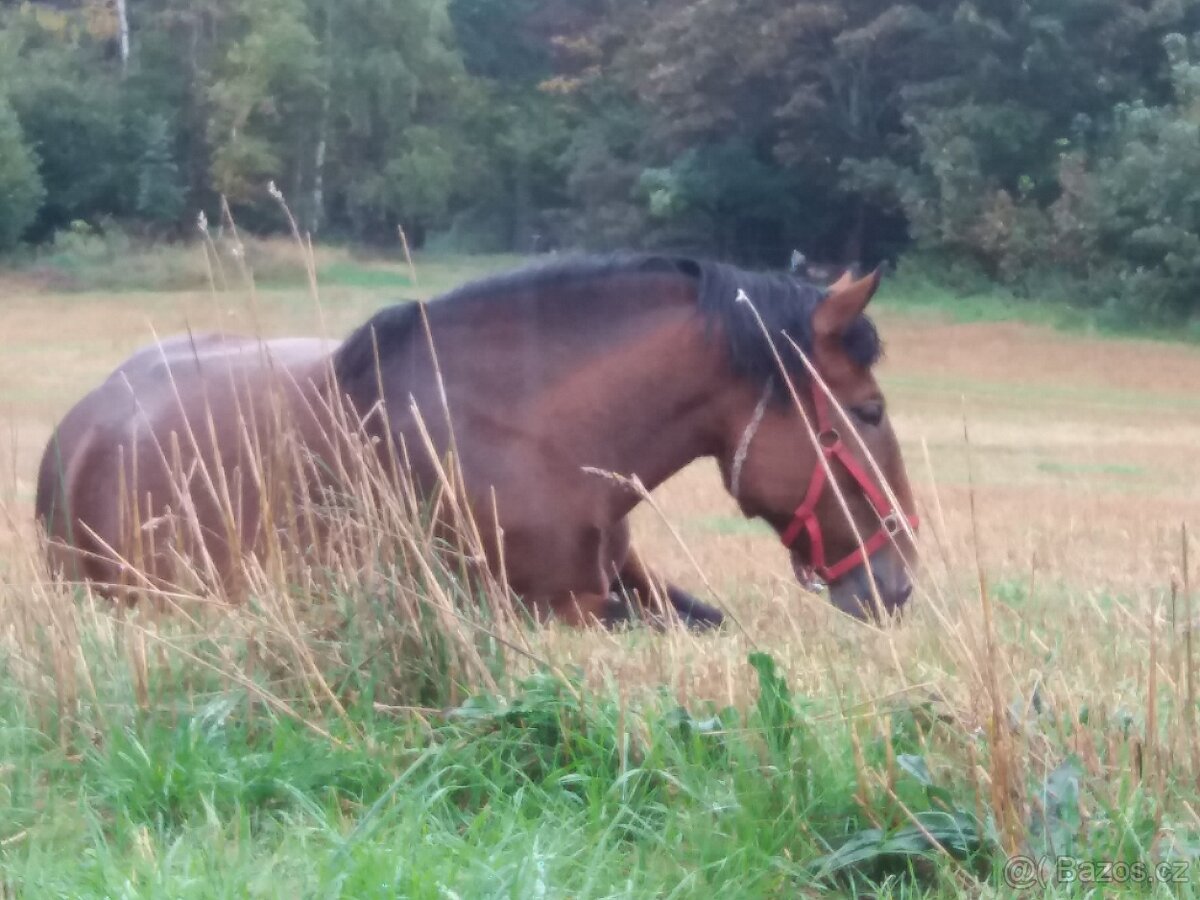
<point>891,524</point>
<point>829,439</point>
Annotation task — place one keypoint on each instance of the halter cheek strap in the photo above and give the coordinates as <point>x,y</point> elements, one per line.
<point>805,518</point>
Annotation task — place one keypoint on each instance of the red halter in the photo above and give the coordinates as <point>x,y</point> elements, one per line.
<point>805,517</point>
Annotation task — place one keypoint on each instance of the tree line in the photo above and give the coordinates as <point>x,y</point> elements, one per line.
<point>1027,141</point>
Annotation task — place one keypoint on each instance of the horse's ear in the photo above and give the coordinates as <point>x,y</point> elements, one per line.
<point>844,281</point>
<point>845,302</point>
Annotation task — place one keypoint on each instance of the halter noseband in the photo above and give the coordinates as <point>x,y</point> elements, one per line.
<point>805,518</point>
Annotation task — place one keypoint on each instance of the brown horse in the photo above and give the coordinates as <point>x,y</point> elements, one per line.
<point>539,380</point>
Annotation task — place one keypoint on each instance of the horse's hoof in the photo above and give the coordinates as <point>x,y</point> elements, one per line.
<point>695,615</point>
<point>710,621</point>
<point>617,614</point>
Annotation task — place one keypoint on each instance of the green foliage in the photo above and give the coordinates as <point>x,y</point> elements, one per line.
<point>550,789</point>
<point>1046,144</point>
<point>829,85</point>
<point>160,193</point>
<point>263,100</point>
<point>775,711</point>
<point>394,133</point>
<point>216,762</point>
<point>975,168</point>
<point>68,105</point>
<point>1133,214</point>
<point>545,789</point>
<point>496,41</point>
<point>21,189</point>
<point>725,194</point>
<point>604,170</point>
<point>948,119</point>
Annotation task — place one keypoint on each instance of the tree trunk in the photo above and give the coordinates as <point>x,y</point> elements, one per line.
<point>316,213</point>
<point>318,192</point>
<point>123,33</point>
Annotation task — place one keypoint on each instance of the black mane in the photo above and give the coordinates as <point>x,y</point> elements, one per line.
<point>785,304</point>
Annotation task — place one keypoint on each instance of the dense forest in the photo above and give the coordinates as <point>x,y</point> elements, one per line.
<point>1032,142</point>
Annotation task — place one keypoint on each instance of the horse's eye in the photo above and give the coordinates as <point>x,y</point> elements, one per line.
<point>869,413</point>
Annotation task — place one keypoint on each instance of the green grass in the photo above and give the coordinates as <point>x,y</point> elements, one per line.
<point>391,274</point>
<point>347,274</point>
<point>85,261</point>
<point>552,792</point>
<point>922,290</point>
<point>925,296</point>
<point>548,794</point>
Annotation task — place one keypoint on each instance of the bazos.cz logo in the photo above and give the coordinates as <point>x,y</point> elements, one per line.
<point>1028,871</point>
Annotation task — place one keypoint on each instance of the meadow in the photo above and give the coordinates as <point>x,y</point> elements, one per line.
<point>1038,701</point>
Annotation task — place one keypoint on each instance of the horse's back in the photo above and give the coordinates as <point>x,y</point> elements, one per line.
<point>177,355</point>
<point>178,407</point>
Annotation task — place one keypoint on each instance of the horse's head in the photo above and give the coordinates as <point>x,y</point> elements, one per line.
<point>781,459</point>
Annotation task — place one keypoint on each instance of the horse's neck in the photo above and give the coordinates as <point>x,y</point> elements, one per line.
<point>629,382</point>
<point>657,402</point>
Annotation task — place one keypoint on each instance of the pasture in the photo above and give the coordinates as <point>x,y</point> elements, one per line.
<point>1038,700</point>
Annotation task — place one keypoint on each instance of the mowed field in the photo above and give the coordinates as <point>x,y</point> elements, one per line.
<point>1058,469</point>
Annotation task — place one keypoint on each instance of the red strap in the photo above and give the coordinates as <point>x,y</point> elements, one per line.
<point>805,518</point>
<point>807,510</point>
<point>874,494</point>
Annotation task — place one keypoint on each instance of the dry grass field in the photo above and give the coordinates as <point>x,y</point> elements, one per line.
<point>1060,467</point>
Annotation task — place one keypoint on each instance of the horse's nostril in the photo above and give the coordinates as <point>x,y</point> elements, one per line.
<point>905,593</point>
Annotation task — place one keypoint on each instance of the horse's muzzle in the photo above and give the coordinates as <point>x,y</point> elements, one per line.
<point>853,594</point>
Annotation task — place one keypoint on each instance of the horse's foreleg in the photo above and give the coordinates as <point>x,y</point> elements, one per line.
<point>649,591</point>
